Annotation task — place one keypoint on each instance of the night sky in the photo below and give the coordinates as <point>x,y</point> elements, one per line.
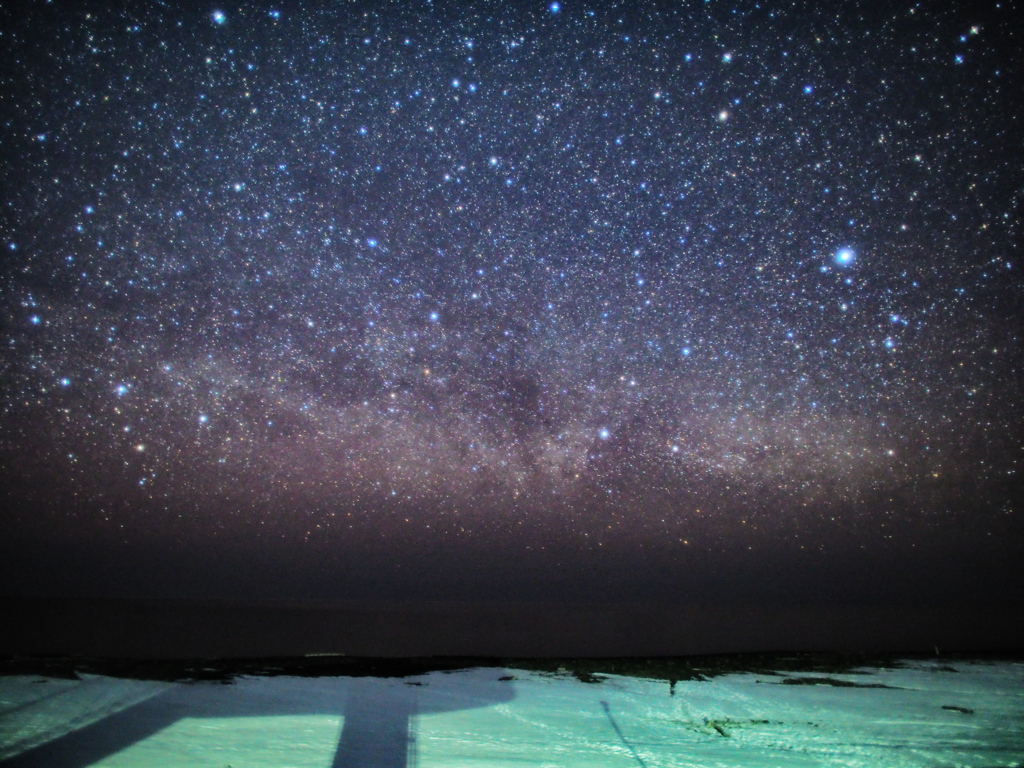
<point>575,300</point>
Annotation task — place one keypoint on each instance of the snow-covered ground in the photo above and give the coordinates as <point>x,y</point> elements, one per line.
<point>920,714</point>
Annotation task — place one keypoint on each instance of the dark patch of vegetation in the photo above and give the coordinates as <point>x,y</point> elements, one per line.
<point>586,670</point>
<point>718,727</point>
<point>583,675</point>
<point>833,682</point>
<point>961,710</point>
<point>588,677</point>
<point>687,668</point>
<point>724,727</point>
<point>226,670</point>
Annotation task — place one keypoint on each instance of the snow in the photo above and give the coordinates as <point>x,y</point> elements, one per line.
<point>36,710</point>
<point>919,714</point>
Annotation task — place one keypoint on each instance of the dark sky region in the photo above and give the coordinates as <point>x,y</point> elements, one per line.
<point>575,301</point>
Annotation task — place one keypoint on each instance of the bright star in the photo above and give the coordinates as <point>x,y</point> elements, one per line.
<point>845,257</point>
<point>219,17</point>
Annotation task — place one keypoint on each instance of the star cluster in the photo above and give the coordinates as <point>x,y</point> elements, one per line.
<point>668,274</point>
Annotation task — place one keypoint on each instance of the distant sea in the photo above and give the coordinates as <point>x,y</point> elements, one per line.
<point>183,629</point>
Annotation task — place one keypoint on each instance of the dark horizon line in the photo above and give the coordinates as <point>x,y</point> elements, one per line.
<point>671,668</point>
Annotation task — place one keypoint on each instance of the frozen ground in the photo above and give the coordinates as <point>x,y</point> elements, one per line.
<point>922,713</point>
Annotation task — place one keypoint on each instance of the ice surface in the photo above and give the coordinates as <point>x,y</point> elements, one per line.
<point>919,714</point>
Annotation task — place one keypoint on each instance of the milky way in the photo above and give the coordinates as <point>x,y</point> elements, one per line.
<point>619,275</point>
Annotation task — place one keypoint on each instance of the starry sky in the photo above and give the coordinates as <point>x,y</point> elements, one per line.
<point>514,299</point>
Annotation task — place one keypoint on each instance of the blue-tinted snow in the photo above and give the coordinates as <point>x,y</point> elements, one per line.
<point>920,714</point>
